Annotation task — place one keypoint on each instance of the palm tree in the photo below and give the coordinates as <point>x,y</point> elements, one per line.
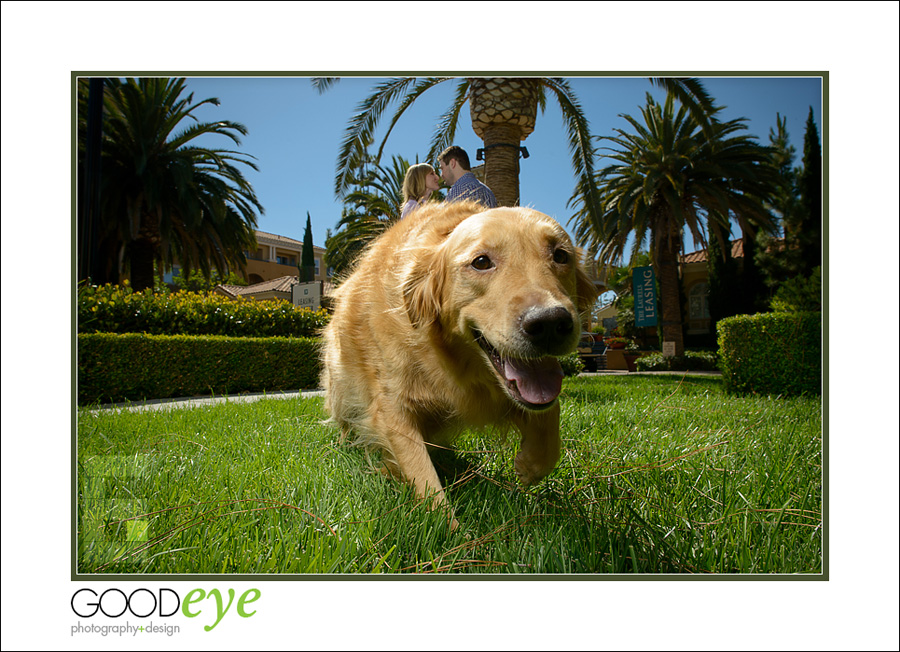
<point>690,93</point>
<point>165,199</point>
<point>369,210</point>
<point>503,111</point>
<point>676,173</point>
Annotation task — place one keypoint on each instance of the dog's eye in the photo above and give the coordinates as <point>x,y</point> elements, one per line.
<point>482,263</point>
<point>561,257</point>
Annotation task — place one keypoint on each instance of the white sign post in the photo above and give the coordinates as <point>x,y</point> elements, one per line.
<point>307,295</point>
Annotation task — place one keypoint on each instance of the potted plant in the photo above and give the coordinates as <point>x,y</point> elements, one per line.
<point>616,342</point>
<point>632,353</point>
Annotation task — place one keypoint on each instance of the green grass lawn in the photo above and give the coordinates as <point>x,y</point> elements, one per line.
<point>658,475</point>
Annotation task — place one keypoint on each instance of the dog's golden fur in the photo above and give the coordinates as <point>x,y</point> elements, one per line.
<point>453,318</point>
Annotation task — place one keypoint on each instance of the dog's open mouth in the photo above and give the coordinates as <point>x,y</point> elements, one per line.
<point>534,383</point>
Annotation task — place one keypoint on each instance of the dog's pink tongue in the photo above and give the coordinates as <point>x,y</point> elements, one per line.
<point>538,381</point>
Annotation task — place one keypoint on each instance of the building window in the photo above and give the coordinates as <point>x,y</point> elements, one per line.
<point>699,301</point>
<point>286,260</point>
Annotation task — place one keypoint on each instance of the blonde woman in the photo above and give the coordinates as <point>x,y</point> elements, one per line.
<point>421,180</point>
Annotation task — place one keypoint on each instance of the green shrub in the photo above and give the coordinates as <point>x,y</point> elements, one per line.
<point>133,367</point>
<point>772,353</point>
<point>572,364</point>
<point>800,294</point>
<point>117,309</point>
<point>690,361</point>
<point>198,283</point>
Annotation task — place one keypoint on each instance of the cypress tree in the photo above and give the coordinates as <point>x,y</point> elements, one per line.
<point>810,228</point>
<point>724,289</point>
<point>778,263</point>
<point>755,296</point>
<point>308,259</point>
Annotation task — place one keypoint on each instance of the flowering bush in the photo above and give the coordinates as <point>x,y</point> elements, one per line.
<point>118,309</point>
<point>632,348</point>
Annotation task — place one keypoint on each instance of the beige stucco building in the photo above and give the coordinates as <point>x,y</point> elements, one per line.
<point>695,281</point>
<point>272,270</point>
<point>695,285</point>
<point>277,256</point>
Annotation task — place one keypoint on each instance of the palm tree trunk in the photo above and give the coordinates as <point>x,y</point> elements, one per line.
<point>670,297</point>
<point>501,163</point>
<point>142,255</point>
<point>110,261</point>
<point>503,111</point>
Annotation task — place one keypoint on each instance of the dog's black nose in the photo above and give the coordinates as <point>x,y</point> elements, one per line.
<point>547,327</point>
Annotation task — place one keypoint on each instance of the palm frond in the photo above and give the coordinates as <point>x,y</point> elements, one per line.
<point>371,208</point>
<point>691,93</point>
<point>580,143</point>
<point>671,175</point>
<point>406,102</point>
<point>361,129</point>
<point>446,128</point>
<point>322,84</point>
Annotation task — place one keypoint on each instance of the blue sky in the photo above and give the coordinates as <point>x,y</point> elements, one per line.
<point>295,133</point>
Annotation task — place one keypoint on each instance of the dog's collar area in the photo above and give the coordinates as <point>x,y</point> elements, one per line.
<point>533,383</point>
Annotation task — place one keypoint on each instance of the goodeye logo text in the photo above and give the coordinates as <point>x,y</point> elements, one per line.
<point>164,603</point>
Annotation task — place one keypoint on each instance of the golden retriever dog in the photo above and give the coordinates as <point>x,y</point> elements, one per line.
<point>454,318</point>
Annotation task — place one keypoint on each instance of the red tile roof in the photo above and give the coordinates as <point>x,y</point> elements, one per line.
<point>737,251</point>
<point>282,284</point>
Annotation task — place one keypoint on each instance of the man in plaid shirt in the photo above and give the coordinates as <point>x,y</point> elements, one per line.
<point>456,171</point>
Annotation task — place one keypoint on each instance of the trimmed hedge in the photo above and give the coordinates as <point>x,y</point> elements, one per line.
<point>690,361</point>
<point>134,367</point>
<point>118,309</point>
<point>772,353</point>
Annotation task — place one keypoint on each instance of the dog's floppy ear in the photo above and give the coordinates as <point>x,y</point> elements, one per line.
<point>423,288</point>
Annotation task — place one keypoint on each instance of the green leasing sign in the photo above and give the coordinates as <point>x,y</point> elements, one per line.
<point>644,283</point>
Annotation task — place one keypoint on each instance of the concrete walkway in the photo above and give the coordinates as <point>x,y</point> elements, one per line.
<point>199,401</point>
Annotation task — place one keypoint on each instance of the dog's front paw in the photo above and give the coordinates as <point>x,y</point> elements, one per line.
<point>528,471</point>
